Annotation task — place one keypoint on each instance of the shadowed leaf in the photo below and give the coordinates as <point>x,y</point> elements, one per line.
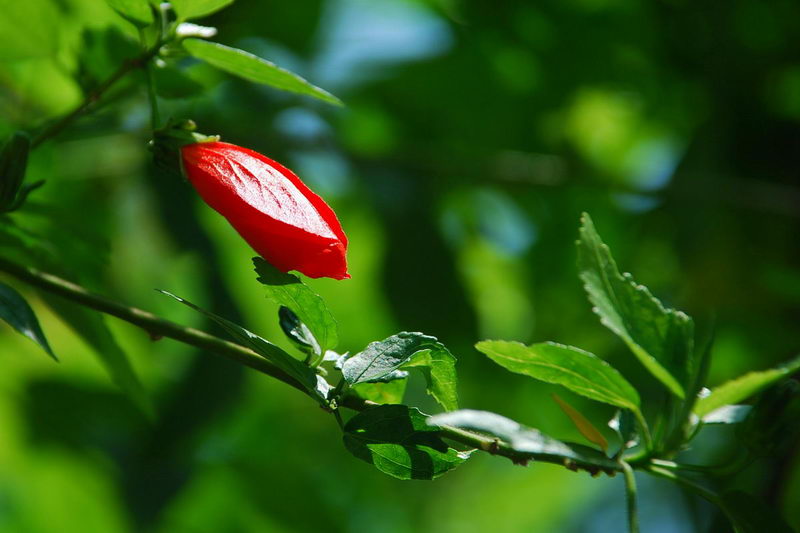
<point>398,441</point>
<point>16,312</point>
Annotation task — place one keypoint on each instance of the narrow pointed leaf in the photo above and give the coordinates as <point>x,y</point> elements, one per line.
<point>661,338</point>
<point>743,387</point>
<point>398,441</point>
<point>624,425</point>
<point>253,68</point>
<point>297,369</point>
<point>297,332</point>
<point>577,370</point>
<point>287,290</point>
<point>586,428</point>
<point>728,414</point>
<point>523,439</point>
<point>16,312</point>
<point>13,163</point>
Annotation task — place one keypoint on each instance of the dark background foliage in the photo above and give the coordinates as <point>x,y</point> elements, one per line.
<point>474,134</point>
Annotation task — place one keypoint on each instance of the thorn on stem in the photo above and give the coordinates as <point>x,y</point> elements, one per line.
<point>493,447</point>
<point>521,461</point>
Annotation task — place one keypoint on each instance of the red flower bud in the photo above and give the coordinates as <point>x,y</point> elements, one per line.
<point>276,213</point>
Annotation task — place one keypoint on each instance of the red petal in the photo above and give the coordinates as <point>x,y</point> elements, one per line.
<point>275,212</point>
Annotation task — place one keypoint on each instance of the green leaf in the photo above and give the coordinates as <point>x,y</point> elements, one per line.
<point>16,312</point>
<point>297,332</point>
<point>624,425</point>
<point>297,369</point>
<point>137,12</point>
<point>193,9</point>
<point>661,338</point>
<point>523,439</point>
<point>743,387</point>
<point>383,393</point>
<point>748,514</point>
<point>253,68</point>
<point>287,290</point>
<point>728,414</point>
<point>407,350</point>
<point>586,428</point>
<point>771,425</point>
<point>438,366</point>
<point>13,162</point>
<point>577,370</point>
<point>398,441</point>
<point>91,327</point>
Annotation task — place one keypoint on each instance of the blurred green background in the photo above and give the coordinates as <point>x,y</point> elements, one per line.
<point>474,134</point>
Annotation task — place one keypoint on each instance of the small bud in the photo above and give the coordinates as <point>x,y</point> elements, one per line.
<point>272,209</point>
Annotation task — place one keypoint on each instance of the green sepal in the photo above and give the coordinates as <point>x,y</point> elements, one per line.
<point>167,142</point>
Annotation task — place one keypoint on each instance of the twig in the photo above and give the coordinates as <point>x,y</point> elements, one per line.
<point>157,326</point>
<point>630,497</point>
<point>153,324</point>
<point>95,94</point>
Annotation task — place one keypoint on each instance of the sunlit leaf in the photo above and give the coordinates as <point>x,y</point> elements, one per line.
<point>661,338</point>
<point>137,12</point>
<point>253,68</point>
<point>407,350</point>
<point>390,392</point>
<point>192,9</point>
<point>523,439</point>
<point>743,387</point>
<point>287,290</point>
<point>398,441</point>
<point>438,366</point>
<point>727,414</point>
<point>577,370</point>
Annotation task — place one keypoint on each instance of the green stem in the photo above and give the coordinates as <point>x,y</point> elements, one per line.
<point>691,485</point>
<point>154,325</point>
<point>155,118</point>
<point>158,326</point>
<point>630,497</point>
<point>338,416</point>
<point>705,493</point>
<point>648,439</point>
<point>95,94</point>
